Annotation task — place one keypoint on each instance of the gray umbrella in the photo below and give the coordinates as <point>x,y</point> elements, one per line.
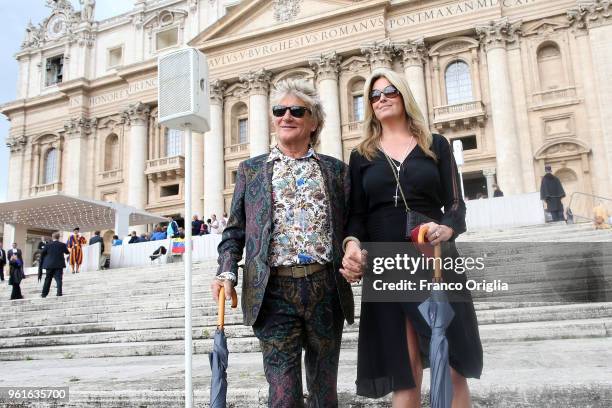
<point>219,356</point>
<point>438,313</point>
<point>218,364</point>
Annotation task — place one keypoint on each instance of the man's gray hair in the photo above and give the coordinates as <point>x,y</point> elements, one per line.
<point>304,91</point>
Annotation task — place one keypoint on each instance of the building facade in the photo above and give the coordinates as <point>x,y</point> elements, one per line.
<point>522,83</point>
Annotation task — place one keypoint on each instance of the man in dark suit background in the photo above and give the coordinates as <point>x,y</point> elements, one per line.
<point>54,263</point>
<point>15,251</point>
<point>2,262</point>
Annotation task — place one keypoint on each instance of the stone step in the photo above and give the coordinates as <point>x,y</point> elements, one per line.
<point>158,381</point>
<point>169,341</point>
<point>485,317</point>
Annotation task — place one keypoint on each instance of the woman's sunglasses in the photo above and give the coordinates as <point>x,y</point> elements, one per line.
<point>295,111</point>
<point>390,92</point>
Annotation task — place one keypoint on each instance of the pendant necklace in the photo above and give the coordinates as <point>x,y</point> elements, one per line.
<point>397,168</point>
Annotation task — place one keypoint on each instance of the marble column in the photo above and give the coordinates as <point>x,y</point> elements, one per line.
<point>495,36</point>
<point>490,177</point>
<point>214,167</point>
<point>137,116</point>
<point>379,54</point>
<point>413,55</point>
<point>258,84</point>
<point>197,173</point>
<point>584,68</point>
<point>16,147</point>
<point>326,68</point>
<point>77,132</point>
<point>596,18</point>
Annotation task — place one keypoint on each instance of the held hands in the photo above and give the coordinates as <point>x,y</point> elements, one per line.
<point>216,285</point>
<point>438,233</point>
<point>353,263</point>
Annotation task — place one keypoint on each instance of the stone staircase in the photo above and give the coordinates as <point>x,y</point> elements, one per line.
<point>116,339</point>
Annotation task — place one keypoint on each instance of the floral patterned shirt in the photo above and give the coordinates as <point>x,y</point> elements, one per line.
<point>301,232</point>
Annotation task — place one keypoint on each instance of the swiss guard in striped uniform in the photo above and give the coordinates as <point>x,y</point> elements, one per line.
<point>75,245</point>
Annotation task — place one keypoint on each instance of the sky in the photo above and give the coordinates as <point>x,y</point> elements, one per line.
<point>15,19</point>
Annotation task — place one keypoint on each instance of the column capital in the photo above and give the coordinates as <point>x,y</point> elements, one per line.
<point>498,33</point>
<point>378,53</point>
<point>16,144</point>
<point>137,114</point>
<point>256,82</point>
<point>590,14</point>
<point>216,91</point>
<point>79,127</point>
<point>489,172</point>
<point>326,66</point>
<point>413,52</point>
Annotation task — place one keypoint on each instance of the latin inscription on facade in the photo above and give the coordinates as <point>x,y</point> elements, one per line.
<point>118,95</point>
<point>300,41</point>
<point>454,9</point>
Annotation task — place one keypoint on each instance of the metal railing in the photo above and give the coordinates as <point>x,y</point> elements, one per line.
<point>582,205</point>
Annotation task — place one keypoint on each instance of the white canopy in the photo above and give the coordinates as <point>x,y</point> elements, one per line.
<point>63,213</point>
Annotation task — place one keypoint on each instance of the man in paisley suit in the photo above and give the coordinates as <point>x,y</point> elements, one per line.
<point>288,210</point>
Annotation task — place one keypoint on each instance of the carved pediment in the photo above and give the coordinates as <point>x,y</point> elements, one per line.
<point>263,15</point>
<point>164,18</point>
<point>562,148</point>
<point>542,27</point>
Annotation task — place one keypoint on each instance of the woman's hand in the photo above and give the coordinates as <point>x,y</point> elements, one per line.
<point>353,263</point>
<point>438,233</point>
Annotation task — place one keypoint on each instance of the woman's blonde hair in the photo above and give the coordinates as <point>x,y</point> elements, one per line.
<point>304,91</point>
<point>372,128</point>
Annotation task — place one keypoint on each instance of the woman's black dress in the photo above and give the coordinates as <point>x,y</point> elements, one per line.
<point>15,277</point>
<point>383,363</point>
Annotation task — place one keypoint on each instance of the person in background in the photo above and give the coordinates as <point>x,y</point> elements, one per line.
<point>600,217</point>
<point>97,239</point>
<point>16,275</point>
<point>551,192</point>
<point>117,241</point>
<point>54,264</point>
<point>75,245</point>
<point>158,235</point>
<point>204,229</point>
<point>3,260</point>
<point>497,192</point>
<point>15,251</point>
<point>214,224</point>
<point>133,238</point>
<point>209,225</point>
<point>196,226</point>
<point>173,229</point>
<point>222,223</point>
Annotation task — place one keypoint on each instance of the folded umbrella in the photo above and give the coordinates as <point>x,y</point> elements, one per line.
<point>219,357</point>
<point>438,313</point>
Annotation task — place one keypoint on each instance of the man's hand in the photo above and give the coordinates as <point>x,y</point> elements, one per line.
<point>353,262</point>
<point>216,285</point>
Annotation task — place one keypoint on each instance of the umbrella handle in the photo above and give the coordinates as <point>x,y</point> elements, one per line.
<point>437,253</point>
<point>221,311</point>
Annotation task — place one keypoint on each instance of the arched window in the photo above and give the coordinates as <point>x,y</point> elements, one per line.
<point>357,101</point>
<point>111,153</point>
<point>240,124</point>
<point>550,67</point>
<point>50,173</point>
<point>458,83</point>
<point>174,142</point>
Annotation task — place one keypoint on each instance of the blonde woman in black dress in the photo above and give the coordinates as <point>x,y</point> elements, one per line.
<point>393,337</point>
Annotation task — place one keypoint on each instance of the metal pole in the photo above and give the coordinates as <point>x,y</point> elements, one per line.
<point>188,265</point>
<point>461,179</point>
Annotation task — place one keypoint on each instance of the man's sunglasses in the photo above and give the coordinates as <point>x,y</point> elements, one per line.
<point>295,111</point>
<point>390,92</point>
